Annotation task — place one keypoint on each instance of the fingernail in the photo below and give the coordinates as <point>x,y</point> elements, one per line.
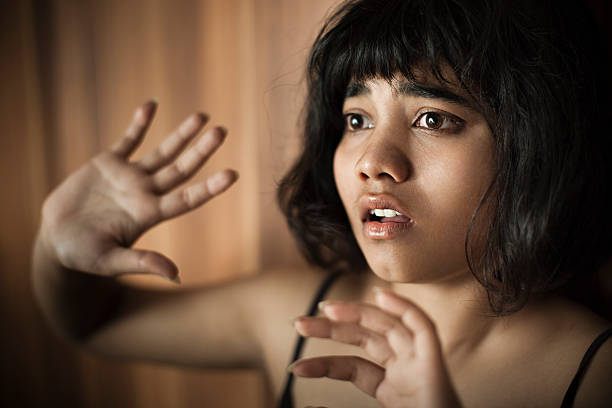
<point>377,289</point>
<point>194,121</point>
<point>322,305</point>
<point>190,124</point>
<point>153,101</point>
<point>202,118</point>
<point>294,320</point>
<point>291,366</point>
<point>217,182</point>
<point>176,279</point>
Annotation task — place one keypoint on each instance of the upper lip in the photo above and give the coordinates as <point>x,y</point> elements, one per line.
<point>369,202</point>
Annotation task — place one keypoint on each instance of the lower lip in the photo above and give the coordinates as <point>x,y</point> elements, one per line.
<point>385,230</point>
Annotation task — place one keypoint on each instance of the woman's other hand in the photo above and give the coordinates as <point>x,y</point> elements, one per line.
<point>409,371</point>
<point>91,220</point>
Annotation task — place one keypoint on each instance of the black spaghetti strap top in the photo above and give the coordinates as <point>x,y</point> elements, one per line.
<point>568,399</point>
<point>287,398</point>
<point>570,394</point>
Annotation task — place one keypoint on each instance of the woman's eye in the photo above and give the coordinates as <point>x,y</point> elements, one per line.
<point>355,121</point>
<point>438,121</point>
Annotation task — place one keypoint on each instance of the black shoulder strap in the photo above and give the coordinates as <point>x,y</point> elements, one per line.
<point>287,398</point>
<point>570,395</point>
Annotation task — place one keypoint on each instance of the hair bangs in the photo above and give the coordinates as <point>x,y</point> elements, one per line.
<point>382,39</point>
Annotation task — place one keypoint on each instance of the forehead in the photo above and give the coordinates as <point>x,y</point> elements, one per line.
<point>422,83</point>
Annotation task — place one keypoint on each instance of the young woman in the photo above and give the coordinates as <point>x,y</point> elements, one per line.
<point>454,185</point>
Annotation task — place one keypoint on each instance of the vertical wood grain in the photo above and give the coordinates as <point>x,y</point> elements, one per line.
<point>72,74</point>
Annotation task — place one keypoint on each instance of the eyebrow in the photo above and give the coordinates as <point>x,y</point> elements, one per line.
<point>413,89</point>
<point>356,89</point>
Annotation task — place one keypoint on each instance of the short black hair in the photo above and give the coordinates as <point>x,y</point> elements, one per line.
<point>539,72</point>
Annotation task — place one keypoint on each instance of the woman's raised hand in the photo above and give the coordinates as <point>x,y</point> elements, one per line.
<point>91,220</point>
<point>409,371</point>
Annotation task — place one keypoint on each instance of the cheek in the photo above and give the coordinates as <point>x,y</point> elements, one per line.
<point>463,170</point>
<point>458,184</point>
<point>341,167</point>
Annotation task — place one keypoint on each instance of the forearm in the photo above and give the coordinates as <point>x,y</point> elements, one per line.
<point>74,303</point>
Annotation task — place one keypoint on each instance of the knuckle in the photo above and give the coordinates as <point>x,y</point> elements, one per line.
<point>187,197</point>
<point>141,260</point>
<point>413,317</point>
<point>180,168</point>
<point>156,155</point>
<point>395,328</point>
<point>180,135</point>
<point>364,341</point>
<point>190,160</point>
<point>132,131</point>
<point>180,139</point>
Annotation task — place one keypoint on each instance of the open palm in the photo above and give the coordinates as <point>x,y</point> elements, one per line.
<point>98,212</point>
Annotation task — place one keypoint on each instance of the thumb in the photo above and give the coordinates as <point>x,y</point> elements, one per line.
<point>120,261</point>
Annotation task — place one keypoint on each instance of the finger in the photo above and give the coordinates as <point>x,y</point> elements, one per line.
<point>135,132</point>
<point>173,144</point>
<point>181,201</point>
<point>424,331</point>
<point>371,318</point>
<point>189,162</point>
<point>364,374</point>
<point>349,333</point>
<point>120,261</point>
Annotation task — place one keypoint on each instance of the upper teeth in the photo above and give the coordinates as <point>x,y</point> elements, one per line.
<point>385,212</point>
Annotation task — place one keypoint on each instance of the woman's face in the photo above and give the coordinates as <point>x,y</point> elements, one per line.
<point>419,149</point>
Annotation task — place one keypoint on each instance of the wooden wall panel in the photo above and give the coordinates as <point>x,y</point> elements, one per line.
<point>71,76</point>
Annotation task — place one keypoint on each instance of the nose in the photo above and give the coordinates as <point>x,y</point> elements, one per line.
<point>381,159</point>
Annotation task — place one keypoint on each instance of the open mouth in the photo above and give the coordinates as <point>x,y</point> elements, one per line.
<point>386,215</point>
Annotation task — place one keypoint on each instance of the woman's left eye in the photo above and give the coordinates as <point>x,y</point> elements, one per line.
<point>355,122</point>
<point>438,121</point>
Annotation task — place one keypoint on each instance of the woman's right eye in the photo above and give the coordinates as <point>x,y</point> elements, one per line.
<point>356,122</point>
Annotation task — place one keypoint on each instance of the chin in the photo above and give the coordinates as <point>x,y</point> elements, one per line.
<point>397,272</point>
<point>401,270</point>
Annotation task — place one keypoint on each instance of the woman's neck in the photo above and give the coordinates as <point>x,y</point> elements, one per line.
<point>459,308</point>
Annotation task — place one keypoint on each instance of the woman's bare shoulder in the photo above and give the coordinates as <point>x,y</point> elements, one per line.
<point>279,294</point>
<point>574,324</point>
<point>595,390</point>
<point>561,331</point>
<point>582,328</point>
<point>297,286</point>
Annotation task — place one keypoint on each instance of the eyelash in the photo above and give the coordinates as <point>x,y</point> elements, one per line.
<point>349,127</point>
<point>446,119</point>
